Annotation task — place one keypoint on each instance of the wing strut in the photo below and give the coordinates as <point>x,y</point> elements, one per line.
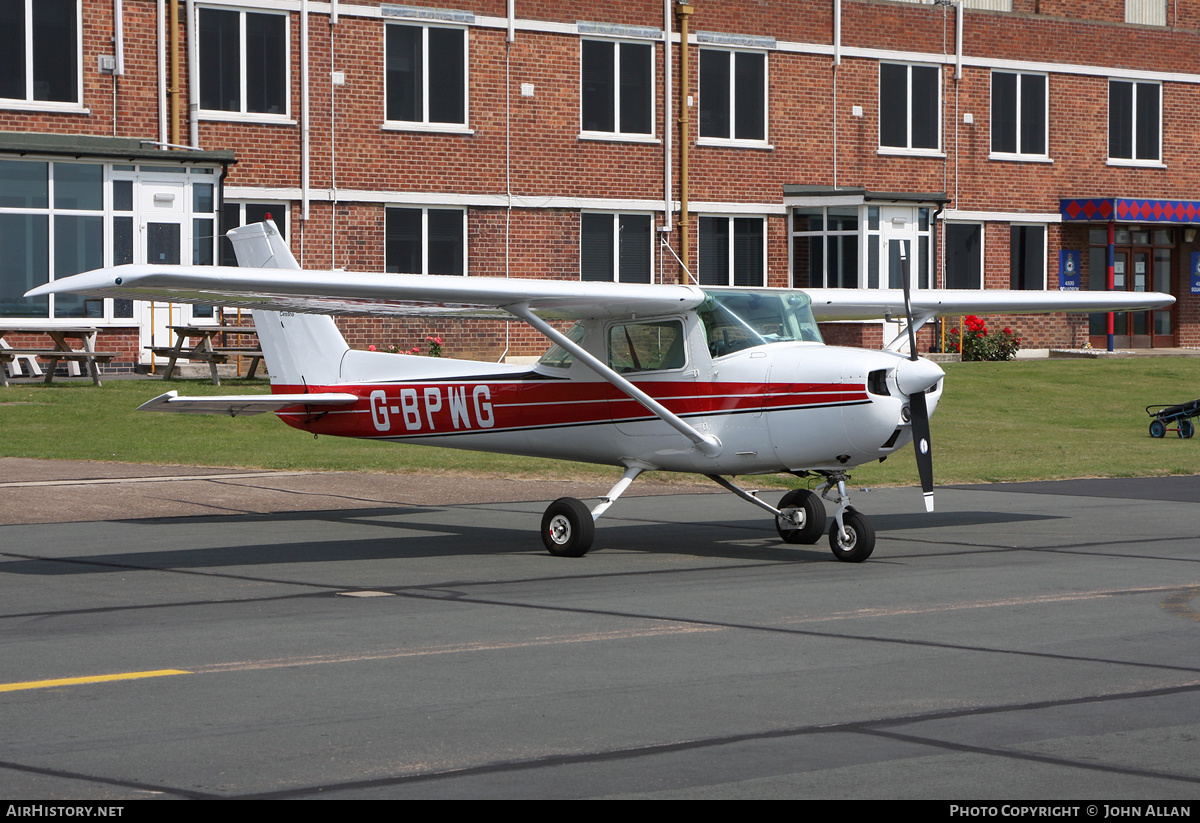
<point>706,444</point>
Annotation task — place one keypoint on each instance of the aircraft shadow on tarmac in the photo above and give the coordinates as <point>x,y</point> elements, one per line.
<point>748,539</point>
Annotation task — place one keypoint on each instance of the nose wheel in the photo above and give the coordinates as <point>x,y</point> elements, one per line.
<point>855,541</point>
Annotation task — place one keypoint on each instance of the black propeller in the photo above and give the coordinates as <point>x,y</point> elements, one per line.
<point>916,399</point>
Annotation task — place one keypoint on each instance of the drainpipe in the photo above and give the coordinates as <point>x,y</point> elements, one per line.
<point>837,61</point>
<point>668,156</point>
<point>173,82</point>
<point>193,78</point>
<point>684,10</point>
<point>163,136</point>
<point>305,133</point>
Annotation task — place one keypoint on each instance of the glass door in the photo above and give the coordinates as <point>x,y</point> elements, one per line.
<point>1143,260</point>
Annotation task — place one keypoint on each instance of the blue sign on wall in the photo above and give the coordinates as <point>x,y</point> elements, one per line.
<point>1068,270</point>
<point>1195,272</point>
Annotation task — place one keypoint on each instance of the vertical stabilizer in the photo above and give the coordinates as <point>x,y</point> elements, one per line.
<point>300,349</point>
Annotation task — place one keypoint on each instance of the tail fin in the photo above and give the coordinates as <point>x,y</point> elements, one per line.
<point>300,349</point>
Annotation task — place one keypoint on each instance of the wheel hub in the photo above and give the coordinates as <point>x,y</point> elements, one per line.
<point>560,530</point>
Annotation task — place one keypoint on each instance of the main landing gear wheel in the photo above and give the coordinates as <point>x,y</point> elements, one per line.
<point>568,528</point>
<point>1186,428</point>
<point>1158,428</point>
<point>859,541</point>
<point>811,515</point>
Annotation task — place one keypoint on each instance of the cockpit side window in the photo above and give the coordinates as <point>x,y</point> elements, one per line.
<point>641,347</point>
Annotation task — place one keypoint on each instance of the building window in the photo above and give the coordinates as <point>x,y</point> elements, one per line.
<point>825,247</point>
<point>1146,12</point>
<point>1027,257</point>
<point>732,251</point>
<point>909,108</point>
<point>425,241</point>
<point>733,95</point>
<point>1134,122</point>
<point>426,75</point>
<point>615,97</point>
<point>615,247</point>
<point>1019,109</point>
<point>243,62</point>
<point>40,50</point>
<point>964,256</point>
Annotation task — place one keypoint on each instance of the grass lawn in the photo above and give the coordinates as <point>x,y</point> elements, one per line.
<point>1026,420</point>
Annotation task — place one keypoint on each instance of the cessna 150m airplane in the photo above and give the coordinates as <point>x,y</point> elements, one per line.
<point>715,381</point>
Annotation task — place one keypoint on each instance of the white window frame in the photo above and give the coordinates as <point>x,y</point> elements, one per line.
<point>1146,12</point>
<point>741,142</point>
<point>1045,252</point>
<point>424,124</point>
<point>28,103</point>
<point>1019,154</point>
<point>243,115</point>
<point>631,136</point>
<point>859,233</point>
<point>425,235</point>
<point>616,245</point>
<point>908,149</point>
<point>1157,161</point>
<point>732,251</point>
<point>945,237</point>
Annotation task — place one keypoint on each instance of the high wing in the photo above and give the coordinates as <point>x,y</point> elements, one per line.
<point>873,304</point>
<point>362,293</point>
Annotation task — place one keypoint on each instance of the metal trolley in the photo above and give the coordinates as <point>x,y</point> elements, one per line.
<point>1181,415</point>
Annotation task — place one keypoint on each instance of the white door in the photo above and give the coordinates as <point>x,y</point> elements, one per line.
<point>163,238</point>
<point>898,232</point>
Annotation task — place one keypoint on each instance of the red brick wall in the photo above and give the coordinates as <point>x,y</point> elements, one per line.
<point>547,159</point>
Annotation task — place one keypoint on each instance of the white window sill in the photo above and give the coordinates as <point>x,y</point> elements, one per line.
<point>616,137</point>
<point>244,117</point>
<point>1136,164</point>
<point>43,106</point>
<point>896,151</point>
<point>726,143</point>
<point>1020,158</point>
<point>433,128</point>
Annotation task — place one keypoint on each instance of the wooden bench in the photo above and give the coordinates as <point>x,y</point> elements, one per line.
<point>204,351</point>
<point>87,356</point>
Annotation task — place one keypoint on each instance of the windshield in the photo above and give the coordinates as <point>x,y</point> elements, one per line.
<point>736,320</point>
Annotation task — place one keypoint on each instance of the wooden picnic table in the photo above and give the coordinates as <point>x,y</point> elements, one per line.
<point>202,348</point>
<point>10,358</point>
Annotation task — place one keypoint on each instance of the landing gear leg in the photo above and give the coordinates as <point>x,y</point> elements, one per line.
<point>568,528</point>
<point>851,537</point>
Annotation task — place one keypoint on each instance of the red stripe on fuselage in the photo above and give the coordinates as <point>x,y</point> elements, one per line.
<point>453,407</point>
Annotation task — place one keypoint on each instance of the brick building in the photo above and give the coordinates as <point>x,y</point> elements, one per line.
<point>1013,143</point>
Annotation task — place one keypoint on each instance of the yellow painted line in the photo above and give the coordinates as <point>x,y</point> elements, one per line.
<point>76,681</point>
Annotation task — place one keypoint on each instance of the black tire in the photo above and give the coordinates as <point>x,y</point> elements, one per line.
<point>567,528</point>
<point>861,538</point>
<point>812,519</point>
<point>1158,428</point>
<point>1186,428</point>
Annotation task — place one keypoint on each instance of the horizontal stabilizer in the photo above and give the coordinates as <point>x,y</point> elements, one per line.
<point>245,404</point>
